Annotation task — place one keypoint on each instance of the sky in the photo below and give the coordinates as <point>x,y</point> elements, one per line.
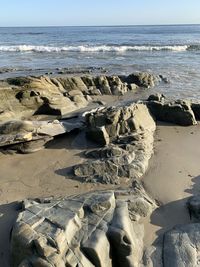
<point>98,12</point>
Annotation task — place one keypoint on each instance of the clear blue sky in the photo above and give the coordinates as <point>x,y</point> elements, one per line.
<point>98,12</point>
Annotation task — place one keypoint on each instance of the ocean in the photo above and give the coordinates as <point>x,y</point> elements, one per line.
<point>172,51</point>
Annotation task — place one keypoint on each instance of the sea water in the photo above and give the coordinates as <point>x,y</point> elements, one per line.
<point>172,51</point>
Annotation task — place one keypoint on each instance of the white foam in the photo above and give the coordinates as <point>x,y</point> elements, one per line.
<point>82,48</point>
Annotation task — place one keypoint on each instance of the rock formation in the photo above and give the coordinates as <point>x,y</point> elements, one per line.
<point>25,96</point>
<point>31,136</point>
<point>96,229</point>
<point>101,228</point>
<point>127,132</point>
<point>179,247</point>
<point>177,112</point>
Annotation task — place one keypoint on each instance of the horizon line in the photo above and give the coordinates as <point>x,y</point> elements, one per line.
<point>114,25</point>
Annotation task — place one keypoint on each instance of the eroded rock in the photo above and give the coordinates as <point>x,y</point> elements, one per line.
<point>25,96</point>
<point>31,136</point>
<point>143,79</point>
<point>177,112</point>
<point>182,246</point>
<point>127,132</point>
<point>95,229</point>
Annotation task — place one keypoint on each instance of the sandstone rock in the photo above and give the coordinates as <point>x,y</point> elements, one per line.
<point>57,106</point>
<point>72,83</point>
<point>133,86</point>
<point>100,135</point>
<point>106,152</point>
<point>99,247</point>
<point>101,171</point>
<point>142,79</point>
<point>121,120</point>
<point>90,230</point>
<point>153,256</point>
<point>117,86</point>
<point>178,112</point>
<point>75,92</point>
<point>102,84</point>
<point>178,247</point>
<point>156,97</point>
<point>127,132</point>
<point>25,96</point>
<point>181,246</point>
<point>30,136</point>
<point>28,146</point>
<point>100,102</point>
<point>80,100</point>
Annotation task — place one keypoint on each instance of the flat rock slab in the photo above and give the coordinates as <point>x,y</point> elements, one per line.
<point>182,246</point>
<point>95,229</point>
<point>15,132</point>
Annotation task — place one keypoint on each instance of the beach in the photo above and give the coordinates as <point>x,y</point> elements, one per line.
<point>99,133</point>
<point>42,174</point>
<point>171,177</point>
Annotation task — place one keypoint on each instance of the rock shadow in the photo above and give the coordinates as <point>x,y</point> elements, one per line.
<point>169,215</point>
<point>75,140</point>
<point>8,216</point>
<point>68,173</point>
<point>195,189</point>
<point>174,213</point>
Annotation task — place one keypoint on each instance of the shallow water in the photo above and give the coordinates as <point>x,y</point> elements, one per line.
<point>173,51</point>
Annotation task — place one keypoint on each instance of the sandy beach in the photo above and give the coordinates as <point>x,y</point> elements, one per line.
<point>99,133</point>
<point>172,177</point>
<point>94,163</point>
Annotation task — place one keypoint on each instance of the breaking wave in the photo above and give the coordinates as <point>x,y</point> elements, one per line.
<point>98,48</point>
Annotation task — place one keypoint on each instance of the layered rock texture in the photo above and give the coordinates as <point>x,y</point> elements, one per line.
<point>95,229</point>
<point>127,132</point>
<point>26,96</point>
<point>31,136</point>
<point>101,228</point>
<point>178,112</point>
<point>179,246</point>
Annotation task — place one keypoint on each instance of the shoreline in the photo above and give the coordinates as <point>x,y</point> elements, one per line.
<point>120,136</point>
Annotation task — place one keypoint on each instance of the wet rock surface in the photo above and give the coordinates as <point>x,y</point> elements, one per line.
<point>96,229</point>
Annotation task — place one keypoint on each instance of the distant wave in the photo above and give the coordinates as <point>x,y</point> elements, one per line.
<point>98,48</point>
<point>28,33</point>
